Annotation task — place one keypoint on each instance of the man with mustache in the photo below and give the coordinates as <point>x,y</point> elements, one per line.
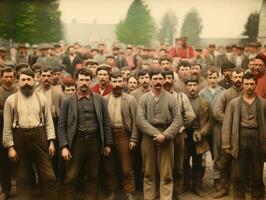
<point>144,87</point>
<point>244,138</point>
<point>84,134</point>
<point>103,87</point>
<point>6,89</point>
<point>196,136</point>
<point>219,110</point>
<point>29,136</point>
<point>132,83</point>
<point>54,98</point>
<point>159,119</point>
<point>144,84</point>
<point>188,116</point>
<point>122,111</point>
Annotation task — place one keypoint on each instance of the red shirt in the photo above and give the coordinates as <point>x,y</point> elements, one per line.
<point>96,89</point>
<point>261,86</point>
<point>181,52</point>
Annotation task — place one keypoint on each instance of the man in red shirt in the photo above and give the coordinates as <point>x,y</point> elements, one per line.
<point>259,72</point>
<point>182,49</point>
<point>103,87</point>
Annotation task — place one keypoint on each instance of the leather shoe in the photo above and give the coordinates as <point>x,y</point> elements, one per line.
<point>130,196</point>
<point>199,192</point>
<point>223,192</point>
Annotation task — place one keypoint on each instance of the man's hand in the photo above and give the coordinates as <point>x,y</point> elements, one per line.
<point>12,154</point>
<point>107,151</point>
<point>132,145</point>
<point>197,136</point>
<point>66,155</point>
<point>228,151</point>
<point>159,139</point>
<point>51,149</point>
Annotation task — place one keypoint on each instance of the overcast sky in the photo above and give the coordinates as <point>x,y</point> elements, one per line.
<point>220,18</point>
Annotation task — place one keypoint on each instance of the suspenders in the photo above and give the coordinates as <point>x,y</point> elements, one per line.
<point>16,115</point>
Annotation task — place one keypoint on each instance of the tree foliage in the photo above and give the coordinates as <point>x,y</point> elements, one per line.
<point>30,21</point>
<point>252,27</point>
<point>192,27</point>
<point>138,27</point>
<point>168,28</point>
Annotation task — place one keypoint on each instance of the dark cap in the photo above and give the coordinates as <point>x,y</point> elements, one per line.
<point>110,56</point>
<point>91,61</point>
<point>227,65</point>
<point>240,47</point>
<point>104,67</point>
<point>9,64</point>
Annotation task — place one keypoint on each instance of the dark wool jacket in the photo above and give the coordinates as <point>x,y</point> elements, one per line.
<point>68,121</point>
<point>231,125</point>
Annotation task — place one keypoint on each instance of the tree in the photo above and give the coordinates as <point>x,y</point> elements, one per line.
<point>138,27</point>
<point>192,27</point>
<point>252,27</point>
<point>30,21</point>
<point>168,28</point>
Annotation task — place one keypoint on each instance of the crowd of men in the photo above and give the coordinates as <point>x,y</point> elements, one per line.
<point>77,120</point>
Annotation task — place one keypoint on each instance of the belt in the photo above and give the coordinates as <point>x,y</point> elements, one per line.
<point>121,129</point>
<point>251,128</point>
<point>29,129</point>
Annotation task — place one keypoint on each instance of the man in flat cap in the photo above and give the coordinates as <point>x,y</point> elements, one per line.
<point>239,58</point>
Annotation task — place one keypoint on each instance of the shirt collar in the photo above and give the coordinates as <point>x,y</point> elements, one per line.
<point>80,96</point>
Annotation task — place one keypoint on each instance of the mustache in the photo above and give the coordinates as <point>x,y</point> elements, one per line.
<point>117,88</point>
<point>158,84</point>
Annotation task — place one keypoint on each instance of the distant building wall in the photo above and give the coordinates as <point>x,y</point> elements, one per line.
<point>89,33</point>
<point>219,41</point>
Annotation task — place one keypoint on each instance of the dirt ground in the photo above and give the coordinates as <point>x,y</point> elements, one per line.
<point>207,185</point>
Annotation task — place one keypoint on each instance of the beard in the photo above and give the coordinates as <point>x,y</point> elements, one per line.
<point>238,84</point>
<point>167,86</point>
<point>117,91</point>
<point>27,90</point>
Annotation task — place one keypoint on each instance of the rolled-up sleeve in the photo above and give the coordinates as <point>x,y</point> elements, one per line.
<point>8,120</point>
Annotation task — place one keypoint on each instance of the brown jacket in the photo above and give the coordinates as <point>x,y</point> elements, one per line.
<point>128,111</point>
<point>206,124</point>
<point>57,99</point>
<point>230,129</point>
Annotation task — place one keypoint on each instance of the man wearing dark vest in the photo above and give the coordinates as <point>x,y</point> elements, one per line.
<point>244,138</point>
<point>84,134</point>
<point>29,136</point>
<point>6,89</point>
